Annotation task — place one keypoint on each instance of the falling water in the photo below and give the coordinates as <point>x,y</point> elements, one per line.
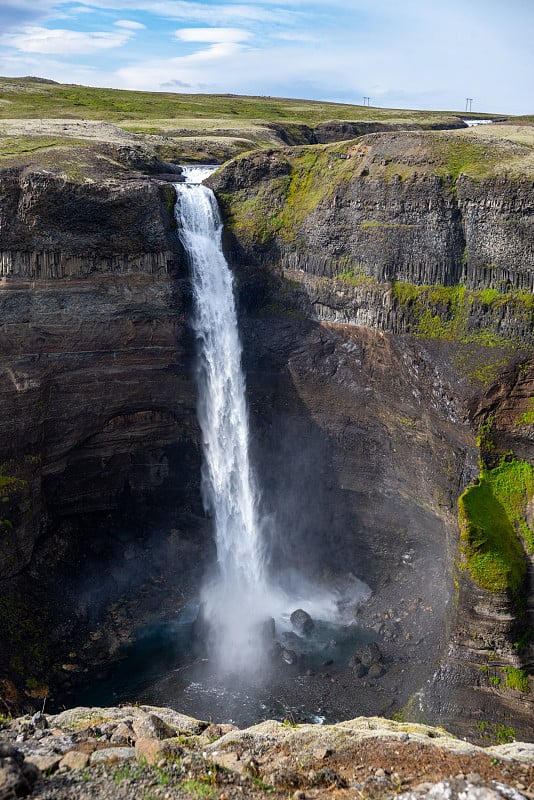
<point>236,602</point>
<point>240,601</point>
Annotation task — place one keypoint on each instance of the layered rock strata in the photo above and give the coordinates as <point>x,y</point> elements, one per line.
<point>389,232</point>
<point>98,406</point>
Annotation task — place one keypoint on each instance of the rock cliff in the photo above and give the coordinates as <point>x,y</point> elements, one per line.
<point>99,442</point>
<point>428,238</point>
<point>385,294</point>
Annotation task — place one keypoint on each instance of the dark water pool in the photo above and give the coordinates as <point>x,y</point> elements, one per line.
<point>160,668</point>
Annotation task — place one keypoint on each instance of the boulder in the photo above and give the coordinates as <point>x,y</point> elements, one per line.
<point>267,630</point>
<point>288,656</point>
<point>302,622</point>
<point>376,670</point>
<point>109,755</point>
<point>74,760</point>
<point>154,750</point>
<point>150,726</point>
<point>369,654</point>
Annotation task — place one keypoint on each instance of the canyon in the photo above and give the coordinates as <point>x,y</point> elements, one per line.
<point>384,289</point>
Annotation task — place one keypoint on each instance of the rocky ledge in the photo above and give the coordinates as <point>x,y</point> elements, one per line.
<point>149,752</point>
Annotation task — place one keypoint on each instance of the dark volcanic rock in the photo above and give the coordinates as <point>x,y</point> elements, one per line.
<point>99,439</point>
<point>302,622</point>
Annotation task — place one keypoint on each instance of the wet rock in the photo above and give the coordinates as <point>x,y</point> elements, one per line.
<point>358,670</point>
<point>376,670</point>
<point>302,622</point>
<point>291,639</point>
<point>200,630</point>
<point>267,630</point>
<point>39,721</point>
<point>288,656</point>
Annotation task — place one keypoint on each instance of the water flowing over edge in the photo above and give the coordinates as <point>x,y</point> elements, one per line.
<point>240,604</point>
<point>235,602</point>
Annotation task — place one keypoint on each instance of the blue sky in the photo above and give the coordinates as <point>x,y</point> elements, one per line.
<point>405,54</point>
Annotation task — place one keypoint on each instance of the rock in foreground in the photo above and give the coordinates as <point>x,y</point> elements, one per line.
<point>142,751</point>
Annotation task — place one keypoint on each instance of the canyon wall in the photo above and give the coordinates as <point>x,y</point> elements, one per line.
<point>428,239</point>
<point>98,433</point>
<point>385,302</point>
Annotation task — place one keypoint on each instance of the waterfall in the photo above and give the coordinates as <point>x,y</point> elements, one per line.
<point>238,600</point>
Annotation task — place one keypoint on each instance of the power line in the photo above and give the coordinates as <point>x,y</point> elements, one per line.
<point>468,103</point>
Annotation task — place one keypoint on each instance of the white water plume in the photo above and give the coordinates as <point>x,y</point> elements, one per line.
<point>239,602</point>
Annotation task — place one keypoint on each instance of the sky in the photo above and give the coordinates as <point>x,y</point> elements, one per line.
<point>398,53</point>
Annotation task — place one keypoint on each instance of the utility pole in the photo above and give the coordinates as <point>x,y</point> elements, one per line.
<point>366,101</point>
<point>468,102</point>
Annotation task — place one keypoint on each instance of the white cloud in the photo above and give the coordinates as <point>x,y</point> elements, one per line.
<point>217,14</point>
<point>212,35</point>
<point>65,42</point>
<point>129,25</point>
<point>409,54</point>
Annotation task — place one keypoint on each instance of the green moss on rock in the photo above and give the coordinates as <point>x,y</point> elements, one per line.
<point>491,514</point>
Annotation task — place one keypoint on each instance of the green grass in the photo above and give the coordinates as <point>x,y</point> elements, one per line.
<point>199,789</point>
<point>513,483</point>
<point>28,98</point>
<point>499,733</point>
<point>477,156</point>
<point>445,312</point>
<point>22,145</point>
<point>275,209</point>
<point>491,513</point>
<point>9,485</point>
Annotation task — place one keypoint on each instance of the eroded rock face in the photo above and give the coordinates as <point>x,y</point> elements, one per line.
<point>345,226</point>
<point>98,432</point>
<point>363,435</point>
<point>387,206</point>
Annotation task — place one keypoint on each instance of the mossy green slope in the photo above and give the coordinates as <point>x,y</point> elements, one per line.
<point>316,174</point>
<point>491,516</point>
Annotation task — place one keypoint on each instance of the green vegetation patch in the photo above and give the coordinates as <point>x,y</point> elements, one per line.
<point>513,483</point>
<point>10,485</point>
<point>450,312</point>
<point>277,207</point>
<point>496,732</point>
<point>490,515</point>
<point>31,98</point>
<point>454,154</point>
<point>527,417</point>
<point>19,145</point>
<point>516,679</point>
